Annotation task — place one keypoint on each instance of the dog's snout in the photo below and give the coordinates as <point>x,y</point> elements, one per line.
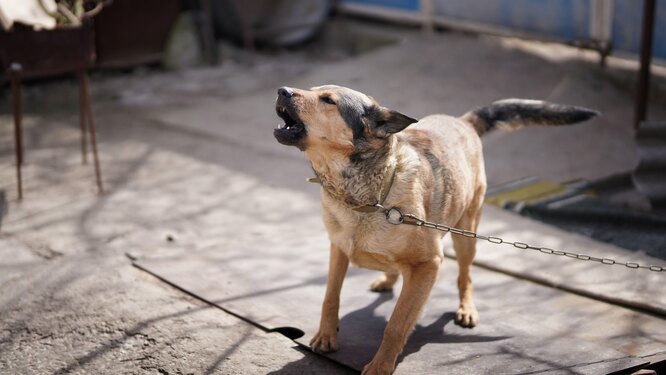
<point>286,91</point>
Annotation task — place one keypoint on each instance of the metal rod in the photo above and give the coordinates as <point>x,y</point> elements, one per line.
<point>642,94</point>
<point>15,73</point>
<point>207,32</point>
<point>82,118</point>
<point>248,36</point>
<point>246,28</point>
<point>91,128</point>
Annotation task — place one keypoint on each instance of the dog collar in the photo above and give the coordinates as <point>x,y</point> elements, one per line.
<point>387,183</point>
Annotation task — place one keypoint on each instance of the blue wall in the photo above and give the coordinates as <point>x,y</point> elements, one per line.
<point>627,19</point>
<point>564,19</point>
<point>395,4</point>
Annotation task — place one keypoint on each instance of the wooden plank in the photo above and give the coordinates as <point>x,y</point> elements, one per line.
<point>640,289</point>
<point>524,328</point>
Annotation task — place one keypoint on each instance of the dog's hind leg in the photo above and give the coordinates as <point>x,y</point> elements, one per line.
<point>385,282</point>
<point>465,247</point>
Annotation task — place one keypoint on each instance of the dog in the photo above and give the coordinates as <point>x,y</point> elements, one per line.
<point>364,154</point>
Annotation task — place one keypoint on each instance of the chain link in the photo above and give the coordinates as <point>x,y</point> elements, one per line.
<point>396,217</point>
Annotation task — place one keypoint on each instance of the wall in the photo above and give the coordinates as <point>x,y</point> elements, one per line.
<point>567,20</point>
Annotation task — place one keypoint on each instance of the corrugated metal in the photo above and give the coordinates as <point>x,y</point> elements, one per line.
<point>627,17</point>
<point>565,19</point>
<point>395,4</point>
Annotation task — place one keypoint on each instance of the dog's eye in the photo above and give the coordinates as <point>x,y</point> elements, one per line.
<point>327,100</point>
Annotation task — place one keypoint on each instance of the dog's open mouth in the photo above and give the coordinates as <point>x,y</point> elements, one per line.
<point>292,130</point>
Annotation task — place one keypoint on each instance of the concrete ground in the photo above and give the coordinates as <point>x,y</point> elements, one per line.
<point>181,149</point>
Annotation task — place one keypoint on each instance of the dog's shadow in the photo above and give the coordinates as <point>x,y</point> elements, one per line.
<point>362,330</point>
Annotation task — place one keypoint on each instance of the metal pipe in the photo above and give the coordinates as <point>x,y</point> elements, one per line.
<point>82,120</point>
<point>642,93</point>
<point>246,27</point>
<point>83,80</point>
<point>208,33</point>
<point>15,74</point>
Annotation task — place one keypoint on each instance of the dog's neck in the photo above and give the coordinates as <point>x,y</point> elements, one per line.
<point>360,182</point>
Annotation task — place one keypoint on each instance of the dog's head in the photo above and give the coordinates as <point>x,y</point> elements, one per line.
<point>331,118</point>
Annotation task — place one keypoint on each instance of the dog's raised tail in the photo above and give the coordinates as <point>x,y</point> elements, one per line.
<point>511,114</point>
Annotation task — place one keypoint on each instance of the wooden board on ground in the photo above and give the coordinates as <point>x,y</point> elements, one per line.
<point>637,288</point>
<point>524,328</point>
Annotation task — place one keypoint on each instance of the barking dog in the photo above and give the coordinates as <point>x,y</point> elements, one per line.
<point>364,154</point>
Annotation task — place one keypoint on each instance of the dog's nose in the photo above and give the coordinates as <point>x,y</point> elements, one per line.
<point>286,91</point>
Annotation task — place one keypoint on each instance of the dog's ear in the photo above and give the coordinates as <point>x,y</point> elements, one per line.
<point>384,121</point>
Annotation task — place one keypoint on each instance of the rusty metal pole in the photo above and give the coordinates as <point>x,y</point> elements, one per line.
<point>15,74</point>
<point>83,81</point>
<point>82,118</point>
<point>643,89</point>
<point>207,32</point>
<point>246,29</point>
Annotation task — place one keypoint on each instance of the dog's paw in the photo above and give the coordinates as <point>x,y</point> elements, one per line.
<point>376,367</point>
<point>467,316</point>
<point>324,342</point>
<point>384,283</point>
<point>381,285</point>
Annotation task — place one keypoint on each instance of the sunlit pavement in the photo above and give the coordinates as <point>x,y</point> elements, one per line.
<point>186,156</point>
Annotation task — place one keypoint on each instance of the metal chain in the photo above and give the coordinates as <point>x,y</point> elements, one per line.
<point>396,217</point>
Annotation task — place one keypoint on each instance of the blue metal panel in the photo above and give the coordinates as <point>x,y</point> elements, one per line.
<point>565,19</point>
<point>627,19</point>
<point>395,4</point>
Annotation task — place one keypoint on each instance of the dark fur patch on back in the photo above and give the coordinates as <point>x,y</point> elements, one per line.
<point>436,168</point>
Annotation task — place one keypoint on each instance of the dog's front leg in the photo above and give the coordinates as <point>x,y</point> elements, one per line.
<point>326,340</point>
<point>418,280</point>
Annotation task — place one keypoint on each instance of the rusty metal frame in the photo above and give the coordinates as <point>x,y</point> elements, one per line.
<point>15,77</point>
<point>642,93</point>
<point>85,121</point>
<point>24,61</point>
<point>87,109</point>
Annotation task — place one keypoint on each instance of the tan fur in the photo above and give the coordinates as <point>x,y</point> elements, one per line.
<point>437,169</point>
<point>439,176</point>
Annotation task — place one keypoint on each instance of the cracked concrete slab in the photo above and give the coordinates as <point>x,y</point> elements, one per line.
<point>181,176</point>
<point>96,314</point>
<point>70,300</point>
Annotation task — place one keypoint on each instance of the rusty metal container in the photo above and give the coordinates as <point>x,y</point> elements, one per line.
<point>47,52</point>
<point>131,32</point>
